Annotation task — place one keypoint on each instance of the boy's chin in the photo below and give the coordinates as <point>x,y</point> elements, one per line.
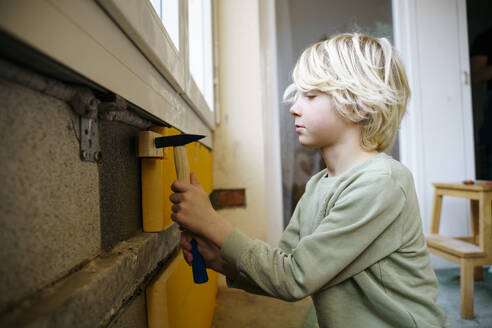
<point>308,143</point>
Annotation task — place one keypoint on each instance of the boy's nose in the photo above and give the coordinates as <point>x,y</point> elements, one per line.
<point>294,109</point>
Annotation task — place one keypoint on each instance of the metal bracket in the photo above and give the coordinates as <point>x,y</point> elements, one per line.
<point>89,140</point>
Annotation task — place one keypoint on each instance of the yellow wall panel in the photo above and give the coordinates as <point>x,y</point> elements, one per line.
<point>152,195</point>
<point>156,174</point>
<point>156,297</point>
<point>159,173</point>
<point>173,299</point>
<point>192,305</point>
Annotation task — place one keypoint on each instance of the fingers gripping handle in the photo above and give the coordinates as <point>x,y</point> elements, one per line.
<point>181,163</point>
<point>183,172</point>
<point>199,269</point>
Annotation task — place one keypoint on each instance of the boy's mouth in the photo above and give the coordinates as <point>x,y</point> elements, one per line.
<point>299,128</point>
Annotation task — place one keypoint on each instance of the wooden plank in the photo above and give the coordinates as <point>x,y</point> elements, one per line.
<point>444,255</point>
<point>476,261</point>
<point>458,193</point>
<point>479,185</point>
<point>146,144</point>
<point>453,246</point>
<point>467,239</point>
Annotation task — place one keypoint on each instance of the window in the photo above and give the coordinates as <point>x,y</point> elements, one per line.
<point>168,12</point>
<point>200,43</point>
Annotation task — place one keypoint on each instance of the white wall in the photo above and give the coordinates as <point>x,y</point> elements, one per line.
<point>246,142</point>
<point>271,129</point>
<point>436,140</point>
<point>239,139</point>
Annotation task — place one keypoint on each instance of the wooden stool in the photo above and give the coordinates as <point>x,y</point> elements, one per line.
<point>471,252</point>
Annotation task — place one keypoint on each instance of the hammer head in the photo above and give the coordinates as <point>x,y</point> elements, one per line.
<point>177,140</point>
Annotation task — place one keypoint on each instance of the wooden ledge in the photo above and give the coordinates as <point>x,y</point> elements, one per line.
<point>479,185</point>
<point>453,246</point>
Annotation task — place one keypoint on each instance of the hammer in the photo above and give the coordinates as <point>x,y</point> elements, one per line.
<point>183,172</point>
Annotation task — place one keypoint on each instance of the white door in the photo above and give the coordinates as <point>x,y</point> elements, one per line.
<point>436,139</point>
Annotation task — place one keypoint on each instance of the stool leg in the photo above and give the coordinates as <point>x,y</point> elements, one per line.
<point>436,212</point>
<point>466,283</point>
<point>474,215</point>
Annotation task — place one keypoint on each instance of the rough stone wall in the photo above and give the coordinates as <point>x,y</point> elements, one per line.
<point>72,250</point>
<point>119,179</point>
<point>133,316</point>
<point>49,213</point>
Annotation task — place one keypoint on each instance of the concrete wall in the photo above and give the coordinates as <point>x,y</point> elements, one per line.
<point>119,182</point>
<point>49,214</point>
<point>72,251</point>
<point>133,316</point>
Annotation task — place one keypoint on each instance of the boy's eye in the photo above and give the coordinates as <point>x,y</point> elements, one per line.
<point>311,95</point>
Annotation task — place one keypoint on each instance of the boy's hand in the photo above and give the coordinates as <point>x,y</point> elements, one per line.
<point>193,211</point>
<point>210,253</point>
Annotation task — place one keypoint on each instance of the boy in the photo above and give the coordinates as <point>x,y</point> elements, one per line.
<point>355,241</point>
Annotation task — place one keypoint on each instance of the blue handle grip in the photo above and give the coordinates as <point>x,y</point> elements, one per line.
<point>199,269</point>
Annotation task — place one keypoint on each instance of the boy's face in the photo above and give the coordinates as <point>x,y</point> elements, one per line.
<point>318,124</point>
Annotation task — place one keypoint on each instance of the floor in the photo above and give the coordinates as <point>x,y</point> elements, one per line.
<point>449,299</point>
<point>236,308</point>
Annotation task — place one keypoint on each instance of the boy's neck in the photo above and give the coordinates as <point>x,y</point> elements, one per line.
<point>342,157</point>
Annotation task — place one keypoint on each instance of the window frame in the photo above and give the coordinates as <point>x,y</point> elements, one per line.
<point>102,44</point>
<point>156,44</point>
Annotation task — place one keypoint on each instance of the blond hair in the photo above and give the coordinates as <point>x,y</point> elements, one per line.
<point>366,79</point>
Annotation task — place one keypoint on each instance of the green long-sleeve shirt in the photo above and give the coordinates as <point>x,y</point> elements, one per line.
<point>355,244</point>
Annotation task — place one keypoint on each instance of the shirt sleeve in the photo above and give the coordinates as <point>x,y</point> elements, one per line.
<point>359,230</point>
<point>288,241</point>
<point>290,236</point>
<point>246,284</point>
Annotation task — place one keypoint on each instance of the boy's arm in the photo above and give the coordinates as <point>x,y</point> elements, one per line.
<point>193,211</point>
<point>357,233</point>
<point>198,206</point>
<point>246,284</point>
<point>288,241</point>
